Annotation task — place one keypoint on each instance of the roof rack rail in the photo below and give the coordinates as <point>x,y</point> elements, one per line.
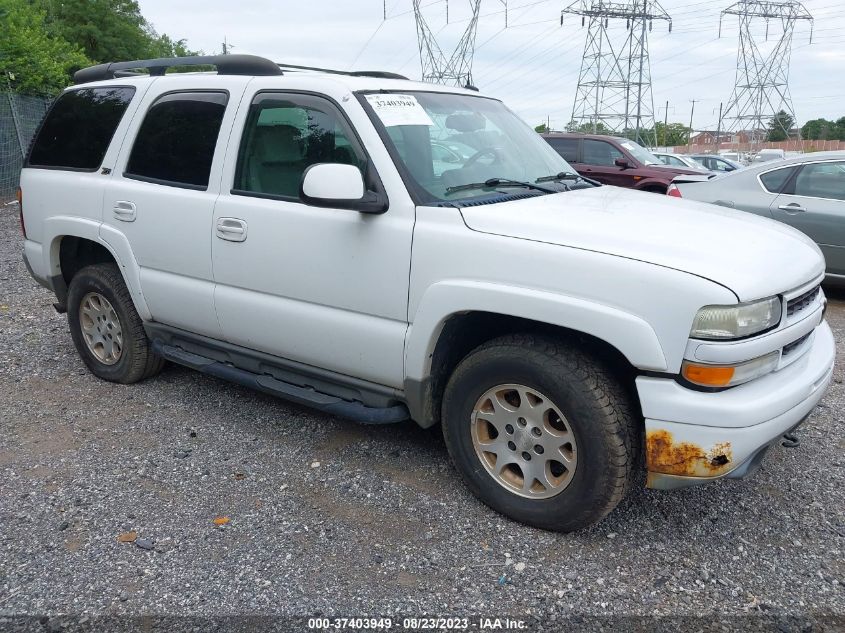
<point>380,74</point>
<point>225,64</point>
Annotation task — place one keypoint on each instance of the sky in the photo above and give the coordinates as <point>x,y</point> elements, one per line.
<point>533,64</point>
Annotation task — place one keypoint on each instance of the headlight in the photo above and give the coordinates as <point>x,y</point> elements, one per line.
<point>738,321</point>
<point>721,376</point>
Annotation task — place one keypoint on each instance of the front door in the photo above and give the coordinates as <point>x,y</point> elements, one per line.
<point>323,286</point>
<point>814,203</point>
<point>598,160</point>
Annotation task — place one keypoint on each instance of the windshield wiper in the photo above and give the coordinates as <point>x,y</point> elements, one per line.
<point>498,182</point>
<point>564,175</point>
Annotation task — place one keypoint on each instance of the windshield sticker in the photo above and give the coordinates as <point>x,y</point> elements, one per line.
<point>399,110</point>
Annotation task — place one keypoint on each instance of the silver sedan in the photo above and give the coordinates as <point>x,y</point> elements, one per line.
<point>806,192</point>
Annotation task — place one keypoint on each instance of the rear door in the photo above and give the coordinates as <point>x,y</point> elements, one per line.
<point>813,201</point>
<point>161,195</point>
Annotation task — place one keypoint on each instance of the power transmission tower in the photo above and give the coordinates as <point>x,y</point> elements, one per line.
<point>614,85</point>
<point>456,69</point>
<point>761,89</point>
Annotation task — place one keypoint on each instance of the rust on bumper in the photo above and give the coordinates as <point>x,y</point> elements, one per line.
<point>664,455</point>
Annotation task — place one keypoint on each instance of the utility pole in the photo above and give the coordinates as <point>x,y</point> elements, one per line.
<point>665,123</point>
<point>761,88</point>
<point>719,130</point>
<point>614,84</point>
<point>689,133</point>
<point>226,46</point>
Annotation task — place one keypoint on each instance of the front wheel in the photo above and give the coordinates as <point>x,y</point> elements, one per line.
<point>541,432</point>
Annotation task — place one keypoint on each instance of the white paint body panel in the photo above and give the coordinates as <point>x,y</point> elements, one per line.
<point>739,250</point>
<point>322,286</point>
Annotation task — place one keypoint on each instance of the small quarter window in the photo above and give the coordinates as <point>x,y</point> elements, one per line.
<point>79,127</point>
<point>773,181</point>
<point>175,144</point>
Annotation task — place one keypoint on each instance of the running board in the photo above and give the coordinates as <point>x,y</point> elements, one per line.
<point>333,405</point>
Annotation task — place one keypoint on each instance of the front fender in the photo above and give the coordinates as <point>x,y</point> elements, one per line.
<point>629,334</point>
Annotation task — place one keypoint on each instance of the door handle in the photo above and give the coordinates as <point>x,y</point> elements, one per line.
<point>231,229</point>
<point>124,211</point>
<point>792,207</point>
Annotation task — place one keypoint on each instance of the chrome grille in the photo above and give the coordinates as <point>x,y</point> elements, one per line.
<point>794,306</point>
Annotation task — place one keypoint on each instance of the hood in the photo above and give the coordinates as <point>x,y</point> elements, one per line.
<point>753,256</point>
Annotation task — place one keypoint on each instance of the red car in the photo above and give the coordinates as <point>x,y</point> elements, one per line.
<point>615,161</point>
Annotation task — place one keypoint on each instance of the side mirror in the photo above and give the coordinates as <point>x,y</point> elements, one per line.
<point>339,186</point>
<point>622,162</point>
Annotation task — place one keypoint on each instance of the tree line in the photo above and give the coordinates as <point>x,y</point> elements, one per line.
<point>43,42</point>
<point>780,128</point>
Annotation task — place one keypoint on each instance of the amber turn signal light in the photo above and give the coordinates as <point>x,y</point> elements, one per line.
<point>708,375</point>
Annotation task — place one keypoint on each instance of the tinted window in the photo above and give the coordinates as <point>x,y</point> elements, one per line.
<point>821,180</point>
<point>600,153</point>
<point>774,181</point>
<point>175,144</point>
<point>286,134</point>
<point>566,147</point>
<point>79,127</point>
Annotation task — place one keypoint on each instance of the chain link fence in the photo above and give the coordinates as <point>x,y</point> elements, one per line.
<point>19,118</point>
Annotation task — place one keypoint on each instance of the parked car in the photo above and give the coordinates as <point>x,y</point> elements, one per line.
<point>716,163</point>
<point>615,161</point>
<point>766,155</point>
<point>741,158</point>
<point>679,160</point>
<point>806,192</point>
<point>285,229</point>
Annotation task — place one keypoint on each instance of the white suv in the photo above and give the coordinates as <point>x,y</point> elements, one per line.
<point>382,249</point>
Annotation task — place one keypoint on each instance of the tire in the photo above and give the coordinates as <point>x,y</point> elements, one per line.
<point>99,298</point>
<point>559,379</point>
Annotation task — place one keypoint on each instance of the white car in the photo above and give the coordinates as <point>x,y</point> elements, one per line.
<point>679,160</point>
<point>285,229</point>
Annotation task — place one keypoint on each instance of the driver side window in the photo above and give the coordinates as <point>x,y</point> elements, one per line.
<point>600,153</point>
<point>283,136</point>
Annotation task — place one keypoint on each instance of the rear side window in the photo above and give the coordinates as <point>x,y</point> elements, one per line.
<point>175,144</point>
<point>773,181</point>
<point>566,147</point>
<point>79,127</point>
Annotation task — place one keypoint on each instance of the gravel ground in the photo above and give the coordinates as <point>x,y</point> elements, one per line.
<point>326,516</point>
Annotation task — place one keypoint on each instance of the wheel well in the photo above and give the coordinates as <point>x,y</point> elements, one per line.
<point>462,333</point>
<point>655,188</point>
<point>75,253</point>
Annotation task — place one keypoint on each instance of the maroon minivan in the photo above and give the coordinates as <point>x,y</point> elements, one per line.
<point>612,160</point>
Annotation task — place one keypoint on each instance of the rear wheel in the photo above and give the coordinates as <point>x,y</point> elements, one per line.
<point>541,432</point>
<point>106,329</point>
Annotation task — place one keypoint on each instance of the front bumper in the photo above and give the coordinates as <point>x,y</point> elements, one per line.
<point>693,437</point>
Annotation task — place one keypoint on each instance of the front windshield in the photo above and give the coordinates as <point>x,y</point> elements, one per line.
<point>448,141</point>
<point>640,153</point>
